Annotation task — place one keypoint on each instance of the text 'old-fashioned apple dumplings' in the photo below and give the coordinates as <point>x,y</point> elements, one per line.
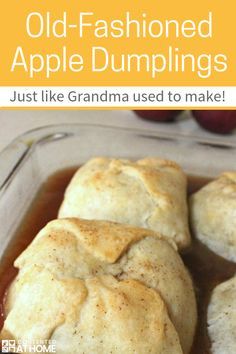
<point>101,287</point>
<point>221,318</point>
<point>213,215</point>
<point>148,193</point>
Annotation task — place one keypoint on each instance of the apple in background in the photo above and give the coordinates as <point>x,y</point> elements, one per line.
<point>158,115</point>
<point>221,122</point>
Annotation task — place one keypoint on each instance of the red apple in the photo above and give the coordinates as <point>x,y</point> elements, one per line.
<point>221,122</point>
<point>158,115</point>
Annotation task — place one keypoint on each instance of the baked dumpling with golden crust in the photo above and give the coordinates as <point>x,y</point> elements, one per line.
<point>149,193</point>
<point>102,287</point>
<point>221,318</point>
<point>213,215</point>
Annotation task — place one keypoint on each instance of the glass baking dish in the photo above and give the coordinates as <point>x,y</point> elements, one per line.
<point>31,158</point>
<point>36,155</point>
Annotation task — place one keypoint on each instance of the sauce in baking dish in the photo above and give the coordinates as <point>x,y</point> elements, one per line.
<point>206,268</point>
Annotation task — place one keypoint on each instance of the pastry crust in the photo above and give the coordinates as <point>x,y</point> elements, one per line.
<point>213,215</point>
<point>148,193</point>
<point>84,282</point>
<point>221,318</point>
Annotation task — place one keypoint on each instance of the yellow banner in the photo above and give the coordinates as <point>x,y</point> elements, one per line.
<point>118,43</point>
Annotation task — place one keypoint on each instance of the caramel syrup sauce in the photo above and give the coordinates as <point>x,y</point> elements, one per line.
<point>206,268</point>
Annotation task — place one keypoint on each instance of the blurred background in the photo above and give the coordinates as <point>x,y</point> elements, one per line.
<point>15,122</point>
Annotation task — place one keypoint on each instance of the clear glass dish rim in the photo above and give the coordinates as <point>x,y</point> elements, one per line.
<point>28,141</point>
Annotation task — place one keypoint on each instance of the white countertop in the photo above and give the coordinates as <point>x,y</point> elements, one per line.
<point>14,123</point>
